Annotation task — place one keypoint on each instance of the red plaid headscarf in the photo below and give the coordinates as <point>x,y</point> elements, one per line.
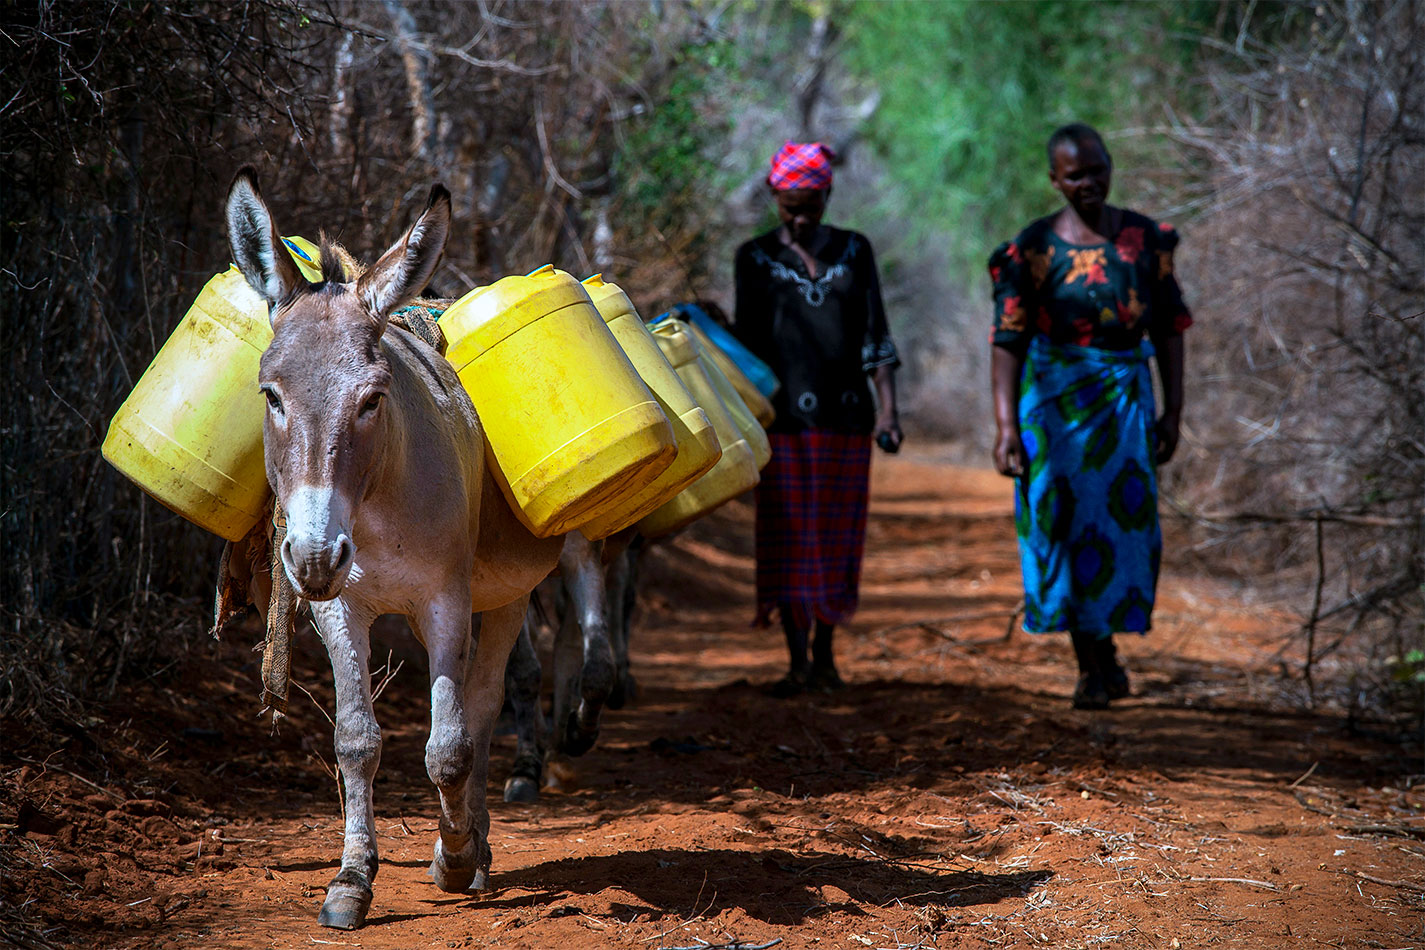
<point>801,165</point>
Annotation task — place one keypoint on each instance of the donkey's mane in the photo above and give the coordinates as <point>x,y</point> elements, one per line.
<point>338,264</point>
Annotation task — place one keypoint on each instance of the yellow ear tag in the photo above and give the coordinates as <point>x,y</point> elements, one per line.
<point>307,255</point>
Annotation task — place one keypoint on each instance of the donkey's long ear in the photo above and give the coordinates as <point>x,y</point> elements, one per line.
<point>404,270</point>
<point>257,247</point>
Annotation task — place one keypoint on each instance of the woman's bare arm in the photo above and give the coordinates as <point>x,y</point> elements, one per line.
<point>1170,370</point>
<point>1009,451</point>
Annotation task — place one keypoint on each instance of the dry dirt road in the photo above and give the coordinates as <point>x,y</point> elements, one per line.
<point>948,798</point>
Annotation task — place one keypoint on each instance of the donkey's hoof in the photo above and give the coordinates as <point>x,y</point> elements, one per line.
<point>624,692</point>
<point>449,879</point>
<point>345,908</point>
<point>480,881</point>
<point>452,874</point>
<point>575,739</point>
<point>522,790</point>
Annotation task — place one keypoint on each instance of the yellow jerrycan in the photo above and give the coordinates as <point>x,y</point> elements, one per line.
<point>752,398</point>
<point>698,445</point>
<point>742,416</point>
<point>734,473</point>
<point>190,433</point>
<point>572,429</point>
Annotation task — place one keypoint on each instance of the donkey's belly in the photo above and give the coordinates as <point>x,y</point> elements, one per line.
<point>509,560</point>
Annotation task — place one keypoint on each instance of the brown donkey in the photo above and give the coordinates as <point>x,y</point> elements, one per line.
<point>376,454</point>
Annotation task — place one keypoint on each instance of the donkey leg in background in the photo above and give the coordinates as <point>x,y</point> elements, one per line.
<point>345,630</point>
<point>445,628</point>
<point>522,679</point>
<point>484,694</point>
<point>621,593</point>
<point>583,665</point>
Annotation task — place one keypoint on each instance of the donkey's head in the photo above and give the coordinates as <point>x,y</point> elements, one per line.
<point>325,377</point>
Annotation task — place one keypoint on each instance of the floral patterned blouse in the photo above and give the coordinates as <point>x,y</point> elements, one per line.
<point>1104,295</point>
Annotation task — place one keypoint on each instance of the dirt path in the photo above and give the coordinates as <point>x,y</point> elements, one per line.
<point>949,798</point>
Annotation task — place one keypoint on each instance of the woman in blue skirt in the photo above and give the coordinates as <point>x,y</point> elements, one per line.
<point>1085,299</point>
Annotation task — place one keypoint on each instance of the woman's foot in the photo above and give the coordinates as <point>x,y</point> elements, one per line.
<point>1090,692</point>
<point>1115,677</point>
<point>1115,683</point>
<point>824,679</point>
<point>793,684</point>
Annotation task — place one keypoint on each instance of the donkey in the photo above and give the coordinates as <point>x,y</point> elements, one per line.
<point>375,452</point>
<point>593,595</point>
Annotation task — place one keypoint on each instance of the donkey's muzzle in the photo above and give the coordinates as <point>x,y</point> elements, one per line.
<point>318,568</point>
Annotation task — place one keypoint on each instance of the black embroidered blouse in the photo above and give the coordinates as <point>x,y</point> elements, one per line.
<point>1104,295</point>
<point>821,335</point>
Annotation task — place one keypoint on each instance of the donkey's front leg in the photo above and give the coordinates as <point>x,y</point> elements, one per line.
<point>450,752</point>
<point>484,694</point>
<point>346,631</point>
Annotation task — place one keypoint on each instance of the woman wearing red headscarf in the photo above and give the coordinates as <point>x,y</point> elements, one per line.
<point>809,305</point>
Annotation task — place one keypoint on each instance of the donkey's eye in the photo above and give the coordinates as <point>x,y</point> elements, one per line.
<point>371,404</point>
<point>273,401</point>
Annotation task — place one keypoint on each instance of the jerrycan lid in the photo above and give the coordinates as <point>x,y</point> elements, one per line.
<point>675,340</point>
<point>611,300</point>
<point>488,315</point>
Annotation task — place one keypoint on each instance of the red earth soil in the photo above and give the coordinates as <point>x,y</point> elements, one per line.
<point>948,798</point>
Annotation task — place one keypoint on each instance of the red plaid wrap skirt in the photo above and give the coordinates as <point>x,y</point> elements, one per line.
<point>811,525</point>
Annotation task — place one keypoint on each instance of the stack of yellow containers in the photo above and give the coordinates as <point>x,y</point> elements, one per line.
<point>591,420</point>
<point>736,471</point>
<point>572,427</point>
<point>698,445</point>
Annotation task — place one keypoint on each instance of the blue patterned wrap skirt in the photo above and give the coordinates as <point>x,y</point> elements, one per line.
<point>1086,508</point>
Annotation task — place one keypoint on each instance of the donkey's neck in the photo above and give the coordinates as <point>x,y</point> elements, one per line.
<point>426,480</point>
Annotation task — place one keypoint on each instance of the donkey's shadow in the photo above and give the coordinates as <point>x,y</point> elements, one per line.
<point>774,886</point>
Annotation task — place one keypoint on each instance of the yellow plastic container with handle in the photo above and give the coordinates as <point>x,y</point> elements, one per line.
<point>741,415</point>
<point>190,433</point>
<point>571,428</point>
<point>698,445</point>
<point>759,405</point>
<point>734,473</point>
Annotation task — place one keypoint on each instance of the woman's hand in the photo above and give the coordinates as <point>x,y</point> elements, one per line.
<point>1166,432</point>
<point>1009,452</point>
<point>888,433</point>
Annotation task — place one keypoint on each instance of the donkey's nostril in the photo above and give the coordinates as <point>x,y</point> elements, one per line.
<point>345,551</point>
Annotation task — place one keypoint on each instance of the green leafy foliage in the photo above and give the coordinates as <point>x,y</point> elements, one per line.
<point>1408,669</point>
<point>668,159</point>
<point>971,91</point>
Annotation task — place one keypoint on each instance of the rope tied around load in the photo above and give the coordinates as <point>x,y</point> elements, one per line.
<point>420,318</point>
<point>261,553</point>
<point>282,609</point>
